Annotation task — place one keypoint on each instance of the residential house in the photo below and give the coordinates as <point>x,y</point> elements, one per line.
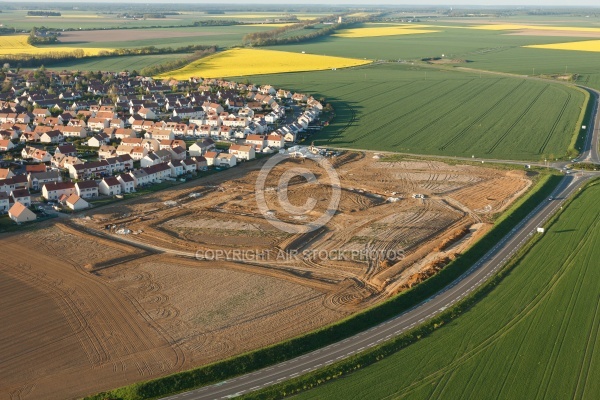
<point>189,165</point>
<point>98,140</point>
<point>137,153</point>
<point>38,179</point>
<point>86,189</point>
<point>73,131</point>
<point>110,186</point>
<point>257,140</point>
<point>275,141</point>
<point>107,115</point>
<point>171,144</point>
<point>122,133</point>
<point>54,137</point>
<point>140,177</point>
<point>7,185</point>
<point>146,113</point>
<point>19,213</point>
<point>107,151</point>
<point>53,191</point>
<point>76,203</point>
<point>35,168</point>
<point>66,149</point>
<point>177,168</point>
<point>117,123</point>
<point>63,162</point>
<point>6,173</point>
<point>160,134</point>
<point>37,155</point>
<point>22,196</point>
<point>20,181</point>
<point>226,160</point>
<point>127,183</point>
<point>211,157</point>
<point>41,112</point>
<point>201,163</point>
<point>158,172</point>
<point>131,142</point>
<point>199,148</point>
<point>97,124</point>
<point>29,137</point>
<point>6,145</point>
<point>150,159</point>
<point>212,107</point>
<point>290,137</point>
<point>242,152</point>
<point>177,153</point>
<point>89,169</point>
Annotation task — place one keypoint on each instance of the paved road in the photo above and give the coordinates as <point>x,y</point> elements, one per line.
<point>590,151</point>
<point>463,286</point>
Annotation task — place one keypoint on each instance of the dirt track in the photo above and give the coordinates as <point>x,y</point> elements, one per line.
<point>85,312</point>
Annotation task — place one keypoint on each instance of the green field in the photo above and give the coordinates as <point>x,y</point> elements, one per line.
<point>488,50</point>
<point>532,337</point>
<point>403,108</point>
<point>117,63</point>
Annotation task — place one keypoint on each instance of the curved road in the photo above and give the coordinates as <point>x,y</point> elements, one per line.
<point>590,151</point>
<point>479,273</point>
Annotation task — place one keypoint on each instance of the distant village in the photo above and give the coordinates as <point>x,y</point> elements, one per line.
<point>68,139</point>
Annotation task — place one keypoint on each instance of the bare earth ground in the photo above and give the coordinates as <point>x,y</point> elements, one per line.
<point>118,35</point>
<point>86,309</point>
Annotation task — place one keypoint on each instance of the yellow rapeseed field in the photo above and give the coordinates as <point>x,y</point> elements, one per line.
<point>17,45</point>
<point>383,31</point>
<point>586,45</point>
<point>241,62</point>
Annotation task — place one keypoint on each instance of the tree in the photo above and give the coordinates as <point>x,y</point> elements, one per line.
<point>6,86</point>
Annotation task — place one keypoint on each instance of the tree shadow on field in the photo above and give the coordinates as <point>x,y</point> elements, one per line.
<point>347,115</point>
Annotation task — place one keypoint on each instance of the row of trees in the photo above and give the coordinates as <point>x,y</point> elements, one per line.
<point>306,30</point>
<point>176,64</point>
<point>53,57</point>
<point>43,13</point>
<point>276,37</point>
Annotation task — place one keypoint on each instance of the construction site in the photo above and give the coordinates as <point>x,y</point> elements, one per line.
<point>194,274</point>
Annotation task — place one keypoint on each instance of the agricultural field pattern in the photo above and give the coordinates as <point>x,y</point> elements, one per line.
<point>441,126</point>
